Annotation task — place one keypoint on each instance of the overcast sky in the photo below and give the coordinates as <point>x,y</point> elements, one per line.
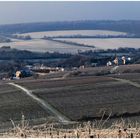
<point>18,12</point>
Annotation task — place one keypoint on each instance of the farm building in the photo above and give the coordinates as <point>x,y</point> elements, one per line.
<point>23,73</point>
<point>45,69</point>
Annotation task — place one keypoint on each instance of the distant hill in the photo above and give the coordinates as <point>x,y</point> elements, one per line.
<point>129,26</point>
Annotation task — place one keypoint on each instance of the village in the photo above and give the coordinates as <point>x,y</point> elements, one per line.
<point>37,70</point>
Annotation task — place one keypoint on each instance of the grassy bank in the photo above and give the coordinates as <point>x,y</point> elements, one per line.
<point>96,129</point>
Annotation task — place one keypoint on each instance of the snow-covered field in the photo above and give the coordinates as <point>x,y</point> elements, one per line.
<point>73,32</point>
<point>109,43</point>
<point>40,45</point>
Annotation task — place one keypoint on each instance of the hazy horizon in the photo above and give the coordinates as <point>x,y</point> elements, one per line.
<point>51,11</point>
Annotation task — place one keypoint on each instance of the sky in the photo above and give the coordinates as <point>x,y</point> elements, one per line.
<point>38,11</point>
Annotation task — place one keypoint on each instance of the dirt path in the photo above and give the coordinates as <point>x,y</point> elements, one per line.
<point>61,118</point>
<point>114,69</point>
<point>127,81</point>
<point>124,80</point>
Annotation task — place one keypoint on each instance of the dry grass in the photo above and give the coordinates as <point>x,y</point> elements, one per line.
<point>118,129</point>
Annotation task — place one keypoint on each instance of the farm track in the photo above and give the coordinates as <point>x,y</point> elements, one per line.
<point>124,80</point>
<point>44,104</point>
<point>127,81</point>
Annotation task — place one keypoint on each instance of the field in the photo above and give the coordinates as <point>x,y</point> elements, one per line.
<point>37,44</point>
<point>73,32</point>
<point>88,97</point>
<point>111,43</point>
<point>40,45</point>
<point>14,103</point>
<point>79,98</point>
<point>99,43</point>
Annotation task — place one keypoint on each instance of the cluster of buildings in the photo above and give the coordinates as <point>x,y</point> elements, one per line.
<point>119,60</point>
<point>45,69</point>
<point>29,70</point>
<point>23,73</point>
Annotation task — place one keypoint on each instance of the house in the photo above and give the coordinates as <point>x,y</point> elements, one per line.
<point>18,74</point>
<point>109,63</point>
<point>23,73</point>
